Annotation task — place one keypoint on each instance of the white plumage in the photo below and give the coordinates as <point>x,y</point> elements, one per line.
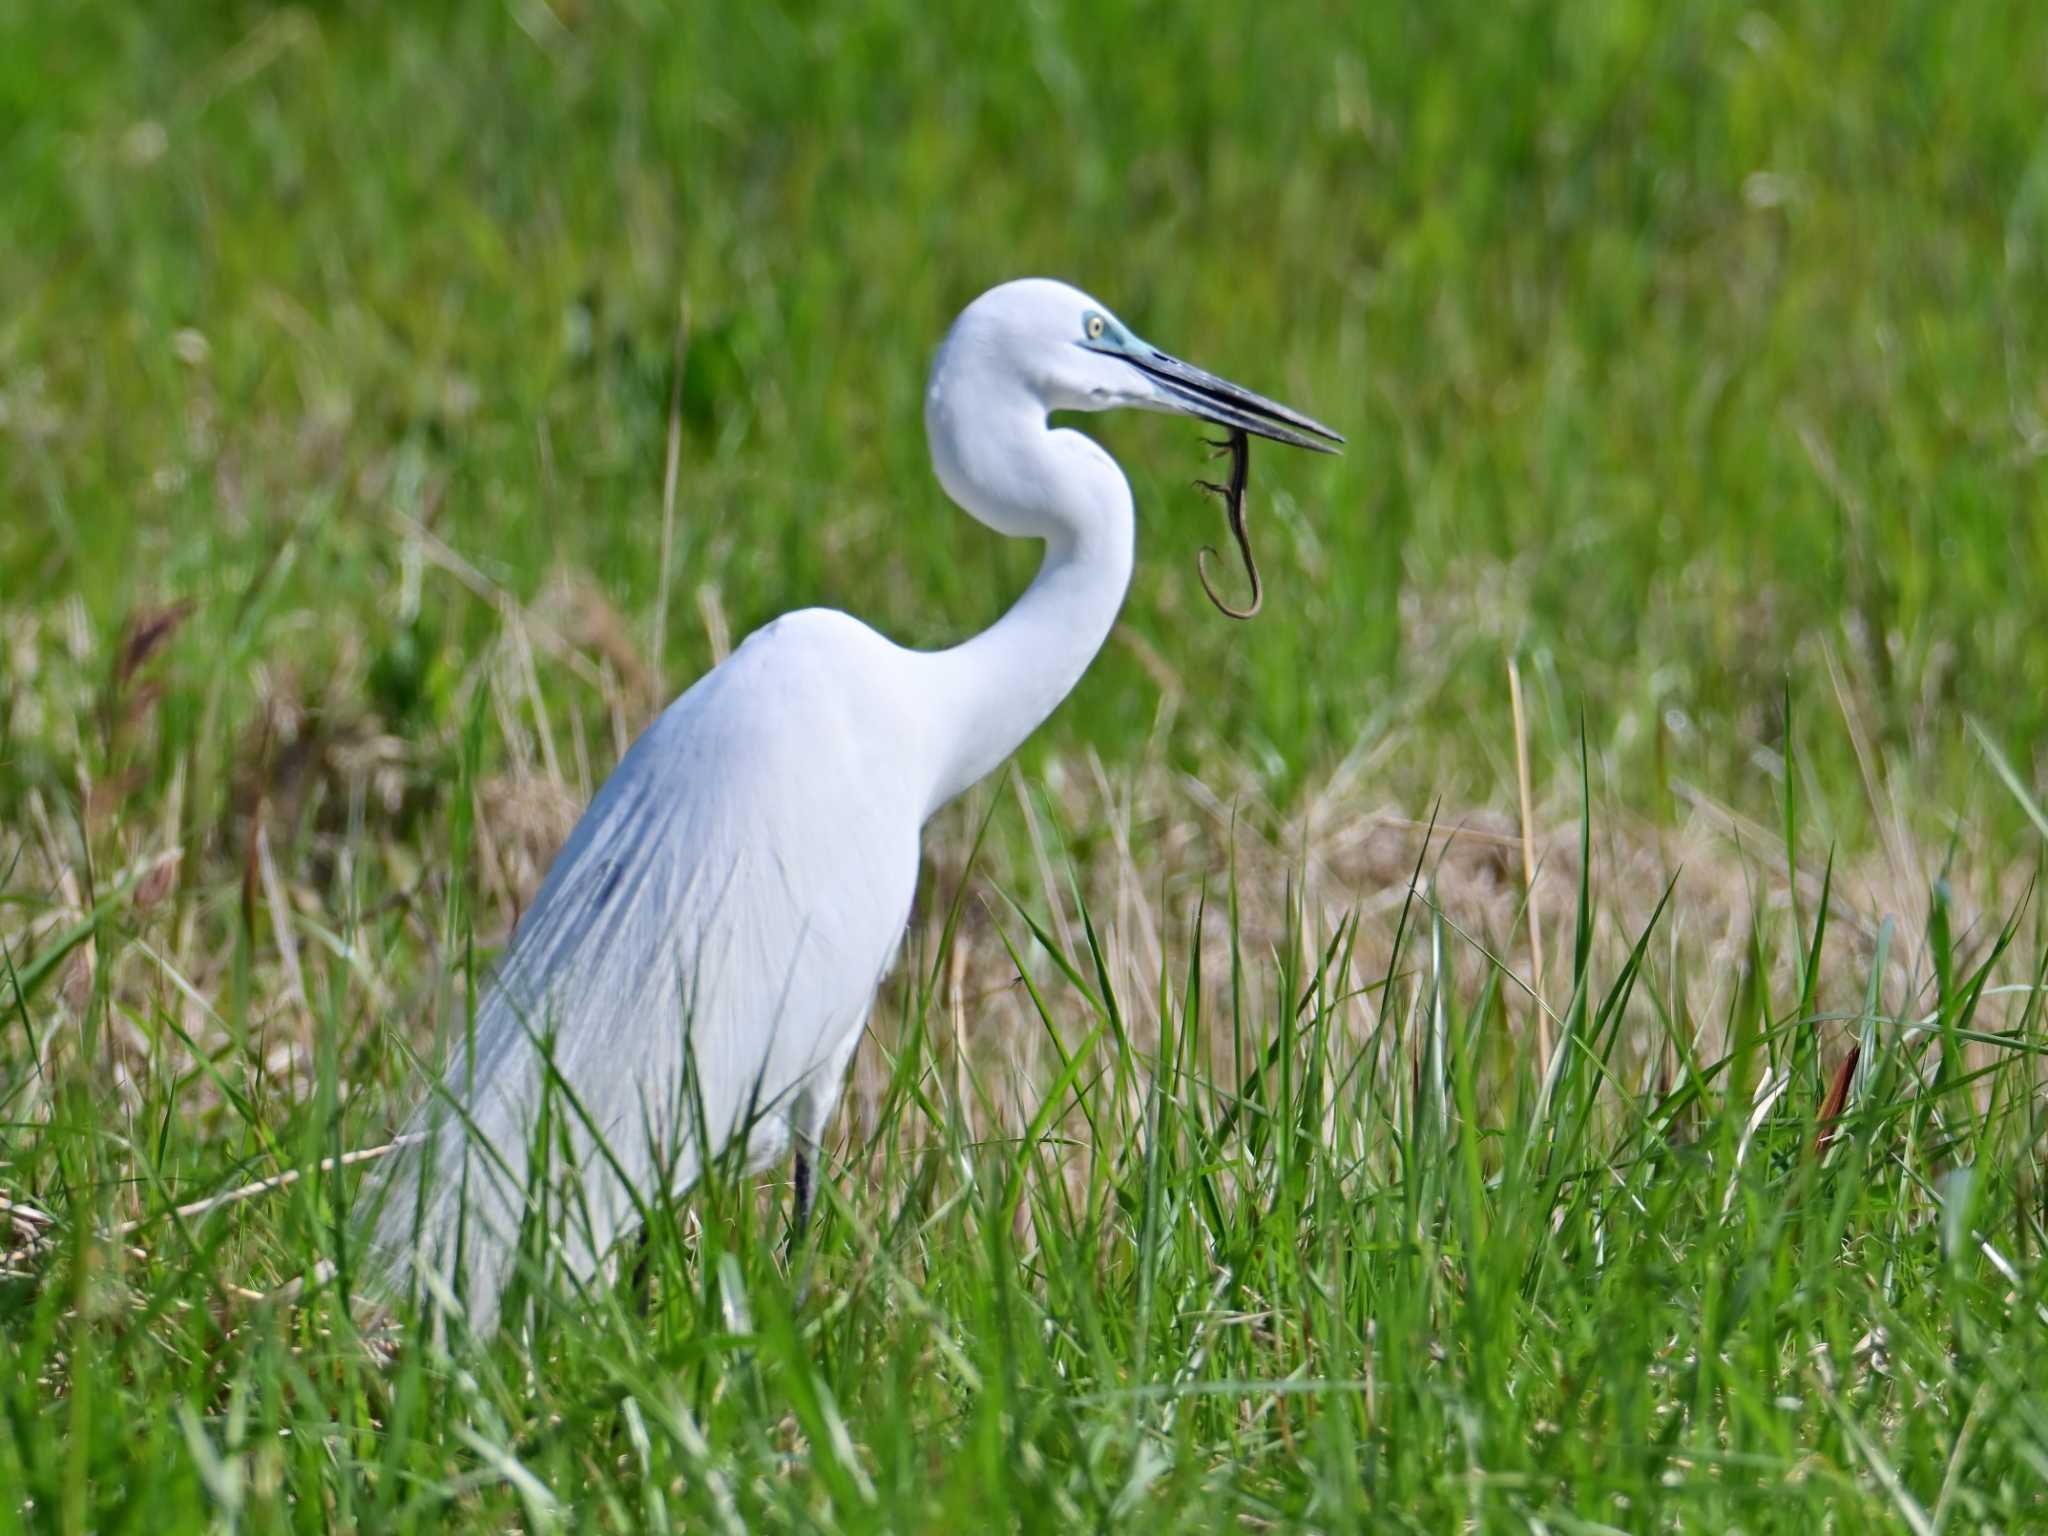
<point>740,884</point>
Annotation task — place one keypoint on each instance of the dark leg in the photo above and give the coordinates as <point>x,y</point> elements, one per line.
<point>802,1222</point>
<point>638,1283</point>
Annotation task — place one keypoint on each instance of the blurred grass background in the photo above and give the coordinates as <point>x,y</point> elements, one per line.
<point>1673,343</point>
<point>1694,355</point>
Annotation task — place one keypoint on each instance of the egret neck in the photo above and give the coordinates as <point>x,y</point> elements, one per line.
<point>1016,473</point>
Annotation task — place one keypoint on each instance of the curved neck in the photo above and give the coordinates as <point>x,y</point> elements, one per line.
<point>990,693</point>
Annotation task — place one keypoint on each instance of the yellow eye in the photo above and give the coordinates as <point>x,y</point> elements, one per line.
<point>1093,325</point>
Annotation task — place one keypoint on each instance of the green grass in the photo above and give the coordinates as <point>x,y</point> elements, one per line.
<point>1695,357</point>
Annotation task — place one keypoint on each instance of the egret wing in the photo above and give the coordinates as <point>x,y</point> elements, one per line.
<point>701,954</point>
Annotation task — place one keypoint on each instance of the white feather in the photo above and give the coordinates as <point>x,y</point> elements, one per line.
<point>703,952</point>
<point>687,910</point>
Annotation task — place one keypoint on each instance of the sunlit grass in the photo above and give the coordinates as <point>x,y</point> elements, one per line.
<point>1321,1245</point>
<point>1203,1166</point>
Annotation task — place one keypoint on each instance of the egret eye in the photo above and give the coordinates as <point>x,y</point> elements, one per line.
<point>1093,325</point>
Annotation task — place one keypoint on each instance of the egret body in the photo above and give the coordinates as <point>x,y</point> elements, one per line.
<point>700,959</point>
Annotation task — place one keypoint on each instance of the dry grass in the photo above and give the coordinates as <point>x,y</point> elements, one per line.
<point>323,801</point>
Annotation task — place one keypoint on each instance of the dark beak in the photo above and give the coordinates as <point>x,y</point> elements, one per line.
<point>1187,388</point>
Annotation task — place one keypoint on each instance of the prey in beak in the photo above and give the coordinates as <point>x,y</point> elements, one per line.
<point>1187,390</point>
<point>1239,447</point>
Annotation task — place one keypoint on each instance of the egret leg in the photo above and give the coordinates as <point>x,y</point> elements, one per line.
<point>801,1224</point>
<point>640,1282</point>
<point>813,1109</point>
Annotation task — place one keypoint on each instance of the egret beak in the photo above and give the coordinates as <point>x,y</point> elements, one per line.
<point>1192,391</point>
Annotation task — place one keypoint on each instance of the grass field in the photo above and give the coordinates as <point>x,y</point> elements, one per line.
<point>399,403</point>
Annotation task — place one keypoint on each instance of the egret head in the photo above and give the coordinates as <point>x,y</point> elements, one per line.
<point>1071,354</point>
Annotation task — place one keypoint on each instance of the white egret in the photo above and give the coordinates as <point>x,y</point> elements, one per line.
<point>701,957</point>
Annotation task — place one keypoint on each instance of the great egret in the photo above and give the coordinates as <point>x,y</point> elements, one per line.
<point>701,957</point>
